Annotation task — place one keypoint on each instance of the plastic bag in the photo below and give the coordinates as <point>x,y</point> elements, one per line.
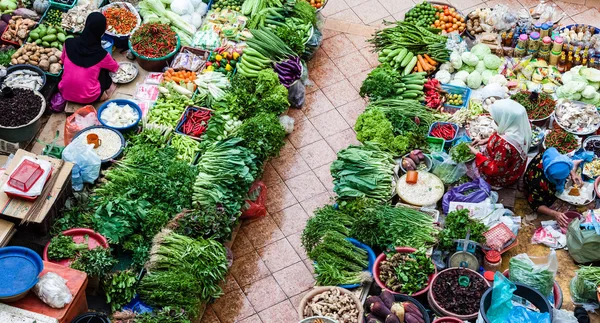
<point>313,43</point>
<point>52,290</point>
<point>535,272</point>
<point>296,94</point>
<point>563,316</point>
<point>502,293</point>
<point>87,163</point>
<point>37,188</point>
<point>58,103</point>
<point>254,206</point>
<point>446,169</point>
<point>520,314</point>
<point>583,245</point>
<point>550,235</point>
<point>82,118</point>
<point>473,192</point>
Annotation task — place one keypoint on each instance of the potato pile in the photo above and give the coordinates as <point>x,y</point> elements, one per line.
<point>48,59</point>
<point>474,24</point>
<point>18,29</point>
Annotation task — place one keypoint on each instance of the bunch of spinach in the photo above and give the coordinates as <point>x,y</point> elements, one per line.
<point>263,135</point>
<point>166,314</point>
<point>456,225</point>
<point>325,219</point>
<point>380,83</point>
<point>119,288</point>
<point>291,38</point>
<point>205,223</point>
<point>118,219</point>
<point>63,247</point>
<point>96,262</point>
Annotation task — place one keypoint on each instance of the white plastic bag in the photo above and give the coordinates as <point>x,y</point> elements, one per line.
<point>537,272</point>
<point>563,316</point>
<point>38,187</point>
<point>52,290</point>
<point>87,163</point>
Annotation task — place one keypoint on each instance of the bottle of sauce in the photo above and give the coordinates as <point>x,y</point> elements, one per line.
<point>533,46</point>
<point>521,48</point>
<point>584,62</point>
<point>562,63</point>
<point>537,27</point>
<point>492,261</point>
<point>544,30</point>
<point>509,39</point>
<point>577,61</point>
<point>554,57</point>
<point>569,63</point>
<point>592,62</point>
<point>557,45</point>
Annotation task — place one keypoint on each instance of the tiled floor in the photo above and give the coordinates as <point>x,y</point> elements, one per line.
<point>271,272</point>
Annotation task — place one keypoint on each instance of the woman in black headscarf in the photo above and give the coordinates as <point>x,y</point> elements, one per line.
<point>86,64</point>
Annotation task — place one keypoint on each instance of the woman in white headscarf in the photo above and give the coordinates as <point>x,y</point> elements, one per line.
<point>505,156</point>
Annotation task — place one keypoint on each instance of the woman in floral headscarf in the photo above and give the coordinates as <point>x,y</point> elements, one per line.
<point>505,156</point>
<point>545,176</point>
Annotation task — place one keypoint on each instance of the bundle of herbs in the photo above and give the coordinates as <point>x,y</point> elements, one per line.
<point>119,288</point>
<point>263,135</point>
<point>96,262</point>
<point>338,261</point>
<point>584,285</point>
<point>226,172</point>
<point>183,272</point>
<point>406,273</point>
<point>383,225</point>
<point>456,226</point>
<point>363,171</point>
<point>63,247</point>
<point>204,223</point>
<point>326,219</point>
<point>456,298</point>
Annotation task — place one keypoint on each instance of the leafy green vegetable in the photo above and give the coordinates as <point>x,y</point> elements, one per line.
<point>119,288</point>
<point>587,279</point>
<point>461,153</point>
<point>63,247</point>
<point>290,37</point>
<point>206,223</point>
<point>164,315</point>
<point>96,262</point>
<point>363,171</point>
<point>456,226</point>
<point>325,219</point>
<point>306,12</point>
<point>118,219</point>
<point>263,135</point>
<point>5,56</point>
<point>380,83</point>
<point>338,261</point>
<point>523,270</point>
<point>406,273</point>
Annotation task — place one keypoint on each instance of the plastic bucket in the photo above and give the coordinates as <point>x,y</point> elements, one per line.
<point>448,320</point>
<point>528,293</point>
<point>25,132</point>
<point>557,293</point>
<point>91,317</point>
<point>154,64</point>
<point>378,281</point>
<point>120,102</point>
<point>403,298</point>
<point>110,43</point>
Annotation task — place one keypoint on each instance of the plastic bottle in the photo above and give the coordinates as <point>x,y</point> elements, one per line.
<point>554,57</point>
<point>562,63</point>
<point>492,261</point>
<point>558,44</point>
<point>544,30</point>
<point>533,45</point>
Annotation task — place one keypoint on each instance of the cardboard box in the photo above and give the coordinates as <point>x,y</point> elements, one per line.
<point>15,209</point>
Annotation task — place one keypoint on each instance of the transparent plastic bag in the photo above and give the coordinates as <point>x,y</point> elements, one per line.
<point>313,43</point>
<point>446,169</point>
<point>563,316</point>
<point>296,94</point>
<point>535,272</point>
<point>82,118</point>
<point>87,163</point>
<point>58,103</point>
<point>502,293</point>
<point>520,314</point>
<point>52,290</point>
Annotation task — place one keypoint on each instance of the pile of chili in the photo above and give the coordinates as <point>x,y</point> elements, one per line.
<point>120,20</point>
<point>540,108</point>
<point>563,141</point>
<point>154,40</point>
<point>443,130</point>
<point>196,122</point>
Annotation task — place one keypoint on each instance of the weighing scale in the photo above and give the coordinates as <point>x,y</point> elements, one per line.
<point>464,257</point>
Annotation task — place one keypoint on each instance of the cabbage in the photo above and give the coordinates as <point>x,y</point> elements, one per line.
<point>187,18</point>
<point>588,92</point>
<point>595,85</point>
<point>456,60</point>
<point>591,74</point>
<point>467,68</point>
<point>492,61</point>
<point>498,79</point>
<point>202,8</point>
<point>443,76</point>
<point>456,82</point>
<point>461,76</point>
<point>486,75</point>
<point>474,80</point>
<point>469,58</point>
<point>480,67</point>
<point>195,3</point>
<point>480,50</point>
<point>196,20</point>
<point>447,67</point>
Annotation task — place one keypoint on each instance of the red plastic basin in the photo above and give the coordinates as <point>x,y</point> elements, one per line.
<point>448,320</point>
<point>382,257</point>
<point>95,239</point>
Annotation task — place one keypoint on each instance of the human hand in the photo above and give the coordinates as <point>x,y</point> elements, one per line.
<point>562,219</point>
<point>474,150</point>
<point>576,178</point>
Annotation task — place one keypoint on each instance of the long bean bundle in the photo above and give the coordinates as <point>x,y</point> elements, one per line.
<point>585,283</point>
<point>269,45</point>
<point>406,110</point>
<point>417,39</point>
<point>363,171</point>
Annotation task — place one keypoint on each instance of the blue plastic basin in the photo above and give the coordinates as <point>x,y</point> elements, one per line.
<point>121,102</point>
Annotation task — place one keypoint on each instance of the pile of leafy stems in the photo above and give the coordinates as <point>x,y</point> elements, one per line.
<point>363,171</point>
<point>536,109</point>
<point>338,261</point>
<point>326,219</point>
<point>166,314</point>
<point>154,40</point>
<point>63,247</point>
<point>410,271</point>
<point>205,223</point>
<point>461,153</point>
<point>263,135</point>
<point>96,262</point>
<point>417,39</point>
<point>586,282</point>
<point>456,225</point>
<point>119,288</point>
<point>382,226</point>
<point>268,44</point>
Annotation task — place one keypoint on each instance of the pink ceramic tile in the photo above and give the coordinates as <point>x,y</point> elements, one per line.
<point>361,30</point>
<point>318,59</point>
<point>270,176</point>
<point>370,11</point>
<point>509,3</point>
<point>262,232</point>
<point>340,93</point>
<point>290,165</point>
<point>571,9</point>
<point>370,56</point>
<point>317,154</point>
<point>324,175</point>
<point>359,41</point>
<point>333,7</point>
<point>296,241</point>
<point>241,246</point>
<point>326,74</point>
<point>252,319</point>
<point>529,3</point>
<point>316,103</point>
<point>229,284</point>
<point>336,25</point>
<point>283,312</point>
<point>297,114</point>
<point>278,255</point>
<point>209,316</point>
<point>587,16</point>
<point>328,33</point>
<point>347,16</point>
<point>316,202</point>
<point>329,123</point>
<point>357,79</point>
<point>309,265</point>
<point>305,186</point>
<point>400,14</point>
<point>464,4</point>
<point>352,64</point>
<point>342,140</point>
<point>350,111</point>
<point>395,6</point>
<point>311,86</point>
<point>354,3</point>
<point>304,134</point>
<point>288,147</point>
<point>294,279</point>
<point>383,22</point>
<point>295,300</point>
<point>291,220</point>
<point>337,46</point>
<point>249,269</point>
<point>232,307</point>
<point>264,293</point>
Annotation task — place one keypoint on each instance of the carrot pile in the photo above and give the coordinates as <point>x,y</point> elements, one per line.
<point>425,64</point>
<point>179,76</point>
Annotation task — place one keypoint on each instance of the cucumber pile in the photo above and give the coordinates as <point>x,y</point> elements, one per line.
<point>252,62</point>
<point>411,86</point>
<point>49,37</point>
<point>399,58</point>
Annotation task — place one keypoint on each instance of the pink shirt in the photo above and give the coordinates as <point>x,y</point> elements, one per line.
<point>81,84</point>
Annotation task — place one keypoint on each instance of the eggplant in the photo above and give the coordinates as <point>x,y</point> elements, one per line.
<point>6,18</point>
<point>392,319</point>
<point>374,321</point>
<point>386,296</point>
<point>372,316</point>
<point>379,309</point>
<point>371,300</point>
